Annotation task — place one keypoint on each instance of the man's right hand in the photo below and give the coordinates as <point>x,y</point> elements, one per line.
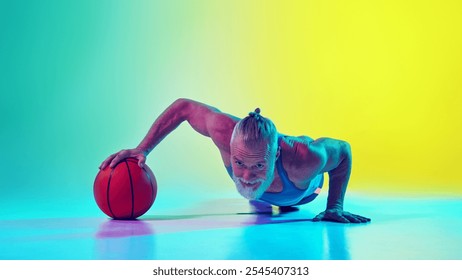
<point>114,159</point>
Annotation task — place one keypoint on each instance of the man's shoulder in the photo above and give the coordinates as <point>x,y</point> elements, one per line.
<point>301,158</point>
<point>296,140</point>
<point>299,151</point>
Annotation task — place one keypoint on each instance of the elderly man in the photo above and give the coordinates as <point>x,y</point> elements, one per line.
<point>265,165</point>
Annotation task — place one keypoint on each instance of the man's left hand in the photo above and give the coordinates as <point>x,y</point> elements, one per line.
<point>340,216</point>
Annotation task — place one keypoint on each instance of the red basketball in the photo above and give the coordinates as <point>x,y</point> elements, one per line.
<point>125,191</point>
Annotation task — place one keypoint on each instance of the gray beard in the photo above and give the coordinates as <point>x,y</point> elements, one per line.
<point>249,193</point>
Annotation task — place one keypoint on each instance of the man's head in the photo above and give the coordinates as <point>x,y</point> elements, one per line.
<point>254,150</point>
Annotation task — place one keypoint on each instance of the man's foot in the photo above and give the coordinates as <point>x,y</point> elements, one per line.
<point>288,209</point>
<point>260,207</point>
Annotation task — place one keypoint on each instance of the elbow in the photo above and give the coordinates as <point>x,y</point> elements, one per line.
<point>346,149</point>
<point>181,102</point>
<point>178,110</point>
<point>182,107</point>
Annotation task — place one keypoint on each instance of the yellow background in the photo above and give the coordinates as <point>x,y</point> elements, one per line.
<point>383,75</point>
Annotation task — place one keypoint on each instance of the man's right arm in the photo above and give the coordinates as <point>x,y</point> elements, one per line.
<point>203,118</point>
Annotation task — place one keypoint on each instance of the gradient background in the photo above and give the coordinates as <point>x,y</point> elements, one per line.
<point>80,80</point>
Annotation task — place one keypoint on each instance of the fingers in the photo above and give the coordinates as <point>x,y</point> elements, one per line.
<point>362,219</point>
<point>340,217</point>
<point>107,161</point>
<point>326,216</point>
<point>356,218</point>
<point>337,218</point>
<point>352,219</point>
<point>330,216</point>
<point>114,159</point>
<point>119,157</point>
<point>141,160</point>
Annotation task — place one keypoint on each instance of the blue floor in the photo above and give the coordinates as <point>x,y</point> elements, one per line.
<point>224,227</point>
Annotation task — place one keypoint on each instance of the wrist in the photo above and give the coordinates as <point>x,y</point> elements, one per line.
<point>334,206</point>
<point>144,150</point>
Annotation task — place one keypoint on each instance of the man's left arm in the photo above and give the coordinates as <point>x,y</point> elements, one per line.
<point>338,163</point>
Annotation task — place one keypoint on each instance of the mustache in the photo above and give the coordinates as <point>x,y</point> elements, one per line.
<point>250,182</point>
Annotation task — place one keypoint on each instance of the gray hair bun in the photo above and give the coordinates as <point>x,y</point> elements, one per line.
<point>255,114</point>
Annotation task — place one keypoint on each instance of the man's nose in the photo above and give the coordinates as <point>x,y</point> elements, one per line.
<point>248,175</point>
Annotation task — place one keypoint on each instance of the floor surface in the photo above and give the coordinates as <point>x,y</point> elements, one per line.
<point>227,227</point>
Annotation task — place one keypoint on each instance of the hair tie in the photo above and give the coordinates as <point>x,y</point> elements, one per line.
<point>255,114</point>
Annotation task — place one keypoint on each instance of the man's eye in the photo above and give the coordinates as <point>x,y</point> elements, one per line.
<point>239,163</point>
<point>260,166</point>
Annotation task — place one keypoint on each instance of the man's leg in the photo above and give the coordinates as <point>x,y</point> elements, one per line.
<point>260,207</point>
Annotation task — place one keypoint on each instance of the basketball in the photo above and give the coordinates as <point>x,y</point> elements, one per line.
<point>126,191</point>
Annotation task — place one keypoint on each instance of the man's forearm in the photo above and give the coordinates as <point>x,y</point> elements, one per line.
<point>338,182</point>
<point>168,121</point>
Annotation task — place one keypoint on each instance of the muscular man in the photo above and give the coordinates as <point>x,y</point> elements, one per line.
<point>265,165</point>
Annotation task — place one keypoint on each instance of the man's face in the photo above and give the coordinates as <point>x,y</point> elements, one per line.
<point>253,167</point>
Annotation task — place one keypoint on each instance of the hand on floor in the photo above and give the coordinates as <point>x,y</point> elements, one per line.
<point>340,216</point>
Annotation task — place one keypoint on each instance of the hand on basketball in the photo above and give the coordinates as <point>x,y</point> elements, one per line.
<point>113,159</point>
<point>340,216</point>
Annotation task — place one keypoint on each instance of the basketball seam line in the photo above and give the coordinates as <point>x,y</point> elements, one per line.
<point>131,188</point>
<point>107,194</point>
